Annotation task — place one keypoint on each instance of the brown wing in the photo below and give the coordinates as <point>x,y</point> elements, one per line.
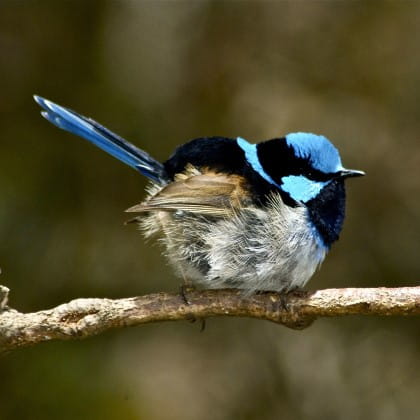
<point>212,194</point>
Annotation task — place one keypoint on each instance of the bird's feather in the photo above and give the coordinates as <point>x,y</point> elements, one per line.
<point>103,138</point>
<point>210,194</point>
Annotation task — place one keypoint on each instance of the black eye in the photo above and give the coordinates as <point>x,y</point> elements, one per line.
<point>317,176</point>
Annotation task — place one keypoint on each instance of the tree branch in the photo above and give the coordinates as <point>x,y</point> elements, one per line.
<point>82,318</point>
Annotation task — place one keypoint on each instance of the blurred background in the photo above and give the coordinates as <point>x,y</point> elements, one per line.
<point>160,73</point>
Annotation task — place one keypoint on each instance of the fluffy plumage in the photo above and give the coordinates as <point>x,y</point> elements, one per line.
<point>248,247</point>
<point>230,213</point>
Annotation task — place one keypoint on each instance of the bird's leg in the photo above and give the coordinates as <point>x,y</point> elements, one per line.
<point>283,302</point>
<point>187,285</point>
<point>185,288</point>
<point>172,249</point>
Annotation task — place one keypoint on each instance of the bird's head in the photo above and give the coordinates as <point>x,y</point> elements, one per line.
<point>307,170</point>
<point>302,165</point>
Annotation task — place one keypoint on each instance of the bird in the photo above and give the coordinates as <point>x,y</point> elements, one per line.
<point>258,217</point>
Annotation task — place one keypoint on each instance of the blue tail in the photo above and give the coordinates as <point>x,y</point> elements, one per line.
<point>103,138</point>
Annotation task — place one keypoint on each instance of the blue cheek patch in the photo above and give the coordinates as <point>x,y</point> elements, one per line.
<point>301,188</point>
<point>252,158</point>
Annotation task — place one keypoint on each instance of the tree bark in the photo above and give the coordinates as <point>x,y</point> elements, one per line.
<point>82,318</point>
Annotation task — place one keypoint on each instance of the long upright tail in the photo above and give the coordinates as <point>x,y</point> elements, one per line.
<point>105,139</point>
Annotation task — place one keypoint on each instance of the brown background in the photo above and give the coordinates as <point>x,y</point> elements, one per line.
<point>160,73</point>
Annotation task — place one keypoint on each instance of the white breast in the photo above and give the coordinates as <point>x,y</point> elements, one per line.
<point>273,249</point>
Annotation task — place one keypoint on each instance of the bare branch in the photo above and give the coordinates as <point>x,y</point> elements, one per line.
<point>87,317</point>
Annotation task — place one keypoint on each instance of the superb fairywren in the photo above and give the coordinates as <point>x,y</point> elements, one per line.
<point>234,214</point>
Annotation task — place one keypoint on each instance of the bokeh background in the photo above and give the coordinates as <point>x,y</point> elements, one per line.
<point>160,73</point>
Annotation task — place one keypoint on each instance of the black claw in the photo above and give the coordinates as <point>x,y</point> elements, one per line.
<point>284,298</point>
<point>183,290</point>
<point>284,302</point>
<point>203,324</point>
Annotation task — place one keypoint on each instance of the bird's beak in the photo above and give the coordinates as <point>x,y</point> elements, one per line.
<point>350,173</point>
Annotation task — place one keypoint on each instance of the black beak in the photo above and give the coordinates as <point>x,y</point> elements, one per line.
<point>350,173</point>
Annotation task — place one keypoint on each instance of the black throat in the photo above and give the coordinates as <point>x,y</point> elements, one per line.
<point>327,211</point>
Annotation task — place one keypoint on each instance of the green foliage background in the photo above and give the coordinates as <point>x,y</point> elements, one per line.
<point>160,73</point>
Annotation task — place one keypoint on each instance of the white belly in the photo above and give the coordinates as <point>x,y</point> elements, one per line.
<point>272,249</point>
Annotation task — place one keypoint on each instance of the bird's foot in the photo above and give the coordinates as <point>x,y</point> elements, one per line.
<point>184,289</point>
<point>283,302</point>
<point>285,298</point>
